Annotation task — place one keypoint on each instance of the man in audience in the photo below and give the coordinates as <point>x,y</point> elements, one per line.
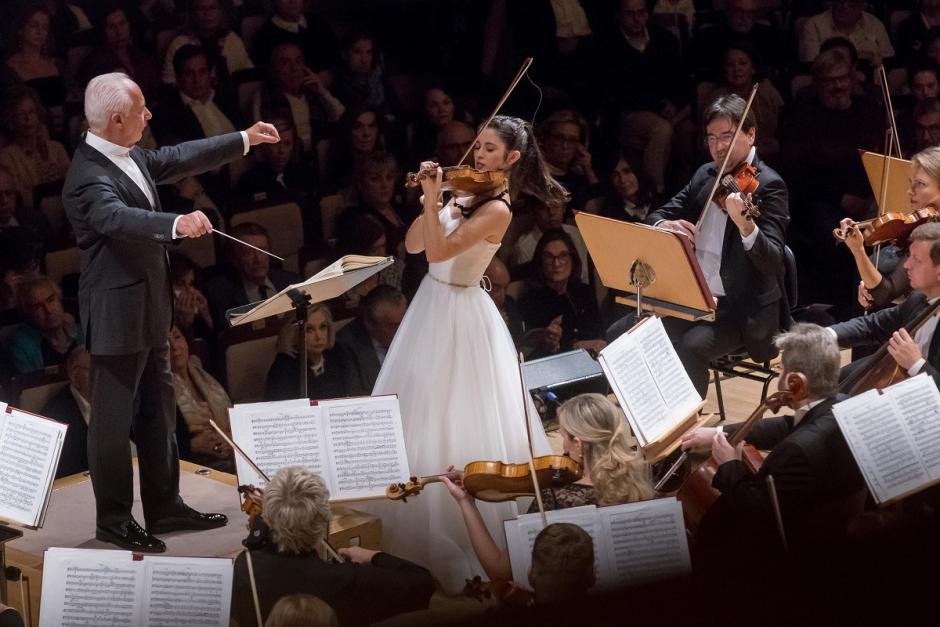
<point>20,256</point>
<point>847,18</point>
<point>11,216</point>
<point>912,33</point>
<point>47,333</point>
<point>818,485</point>
<point>368,587</point>
<point>249,277</point>
<point>547,217</point>
<point>453,140</point>
<point>72,407</point>
<point>365,341</point>
<point>562,569</point>
<point>926,125</point>
<point>498,275</point>
<point>739,23</point>
<point>312,34</point>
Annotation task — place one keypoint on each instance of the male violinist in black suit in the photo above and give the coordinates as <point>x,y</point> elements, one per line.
<point>742,258</point>
<point>125,299</point>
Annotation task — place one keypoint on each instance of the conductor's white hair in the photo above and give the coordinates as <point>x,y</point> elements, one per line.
<point>107,94</point>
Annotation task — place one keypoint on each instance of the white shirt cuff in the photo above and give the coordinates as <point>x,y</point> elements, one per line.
<point>750,239</point>
<point>245,142</point>
<point>913,370</point>
<point>175,222</point>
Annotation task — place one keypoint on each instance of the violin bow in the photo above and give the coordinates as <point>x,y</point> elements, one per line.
<point>724,163</point>
<point>528,433</point>
<point>891,133</point>
<point>326,542</point>
<point>499,105</point>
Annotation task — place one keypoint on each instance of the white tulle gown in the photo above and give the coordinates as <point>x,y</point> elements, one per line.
<point>455,370</point>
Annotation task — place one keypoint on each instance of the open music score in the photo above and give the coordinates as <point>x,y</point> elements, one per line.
<point>356,444</point>
<point>894,436</point>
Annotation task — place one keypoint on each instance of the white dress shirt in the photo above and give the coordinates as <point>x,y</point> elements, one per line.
<point>212,119</point>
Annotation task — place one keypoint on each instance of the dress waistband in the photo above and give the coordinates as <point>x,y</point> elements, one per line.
<point>484,282</point>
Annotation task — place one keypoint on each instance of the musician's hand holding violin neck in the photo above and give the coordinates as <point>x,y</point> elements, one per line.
<point>723,452</point>
<point>358,554</point>
<point>431,185</point>
<point>698,441</point>
<point>852,236</point>
<point>903,348</point>
<point>734,205</point>
<point>683,227</point>
<point>456,490</point>
<point>195,224</point>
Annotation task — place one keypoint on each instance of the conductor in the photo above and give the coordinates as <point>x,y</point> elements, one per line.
<point>110,197</point>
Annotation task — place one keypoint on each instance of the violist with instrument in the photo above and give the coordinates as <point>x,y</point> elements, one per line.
<point>817,483</point>
<point>907,351</point>
<point>742,257</point>
<point>876,289</point>
<point>595,434</point>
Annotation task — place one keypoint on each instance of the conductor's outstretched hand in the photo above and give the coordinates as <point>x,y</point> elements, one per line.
<point>194,224</point>
<point>262,133</point>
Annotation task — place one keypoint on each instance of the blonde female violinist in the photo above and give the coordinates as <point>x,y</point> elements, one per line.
<point>452,363</point>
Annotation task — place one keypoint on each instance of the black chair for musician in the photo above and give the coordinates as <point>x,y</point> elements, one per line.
<point>738,363</point>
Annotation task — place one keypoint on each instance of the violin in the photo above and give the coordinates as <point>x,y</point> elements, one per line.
<point>506,592</point>
<point>461,178</point>
<point>892,226</point>
<point>495,482</point>
<point>697,494</point>
<point>742,181</point>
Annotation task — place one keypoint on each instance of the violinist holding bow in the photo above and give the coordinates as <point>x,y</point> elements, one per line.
<point>742,257</point>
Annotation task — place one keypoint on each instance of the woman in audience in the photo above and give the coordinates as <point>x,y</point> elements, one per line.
<point>360,232</point>
<point>437,111</point>
<point>117,51</point>
<point>32,156</point>
<point>190,307</point>
<point>741,73</point>
<point>31,60</point>
<point>375,184</point>
<point>559,311</point>
<point>359,81</point>
<point>360,131</point>
<point>301,610</point>
<point>564,139</point>
<point>630,193</point>
<point>368,587</point>
<point>200,398</point>
<point>208,27</point>
<point>594,434</point>
<point>326,373</point>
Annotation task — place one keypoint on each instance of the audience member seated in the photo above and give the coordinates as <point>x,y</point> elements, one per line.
<point>359,80</point>
<point>559,310</point>
<point>364,342</point>
<point>595,434</point>
<point>360,131</point>
<point>639,62</point>
<point>742,71</point>
<point>911,36</point>
<point>20,255</point>
<point>301,610</point>
<point>190,307</point>
<point>328,375</point>
<point>296,92</point>
<point>117,51</point>
<point>819,159</point>
<point>312,33</point>
<point>200,398</point>
<point>563,137</point>
<point>437,111</point>
<point>739,23</point>
<point>72,407</point>
<point>817,482</point>
<point>847,18</point>
<point>208,28</point>
<point>927,125</point>
<point>32,157</point>
<point>47,333</point>
<point>453,141</point>
<point>31,61</point>
<point>359,232</point>
<point>923,83</point>
<point>498,276</point>
<point>368,587</point>
<point>248,278</point>
<point>562,569</point>
<point>13,216</point>
<point>630,193</point>
<point>547,217</point>
<point>375,182</point>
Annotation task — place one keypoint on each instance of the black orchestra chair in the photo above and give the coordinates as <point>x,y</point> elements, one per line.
<point>738,363</point>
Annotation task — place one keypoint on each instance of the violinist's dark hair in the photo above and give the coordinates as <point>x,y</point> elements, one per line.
<point>557,235</point>
<point>729,106</point>
<point>530,175</point>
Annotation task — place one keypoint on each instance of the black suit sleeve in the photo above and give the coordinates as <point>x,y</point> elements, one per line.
<point>766,255</point>
<point>872,329</point>
<point>767,433</point>
<point>171,164</point>
<point>97,204</point>
<point>398,586</point>
<point>675,207</point>
<point>792,472</point>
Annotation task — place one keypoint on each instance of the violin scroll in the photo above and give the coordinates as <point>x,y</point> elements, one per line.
<point>401,491</point>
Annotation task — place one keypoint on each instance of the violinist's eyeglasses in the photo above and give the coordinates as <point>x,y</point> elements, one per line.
<point>724,139</point>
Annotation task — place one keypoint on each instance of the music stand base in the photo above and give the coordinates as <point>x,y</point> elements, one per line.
<point>301,302</point>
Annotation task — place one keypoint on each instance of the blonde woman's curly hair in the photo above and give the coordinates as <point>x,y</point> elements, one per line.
<point>297,509</point>
<point>619,476</point>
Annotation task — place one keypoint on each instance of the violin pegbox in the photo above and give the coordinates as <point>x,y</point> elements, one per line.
<point>401,491</point>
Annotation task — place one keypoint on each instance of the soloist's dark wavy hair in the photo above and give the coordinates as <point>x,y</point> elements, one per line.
<point>529,175</point>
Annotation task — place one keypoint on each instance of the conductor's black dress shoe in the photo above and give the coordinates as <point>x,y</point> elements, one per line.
<point>131,536</point>
<point>186,518</point>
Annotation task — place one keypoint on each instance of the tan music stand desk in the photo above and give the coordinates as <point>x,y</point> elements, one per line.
<point>679,288</point>
<point>898,172</point>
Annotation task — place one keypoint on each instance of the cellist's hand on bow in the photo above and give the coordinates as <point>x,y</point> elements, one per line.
<point>699,440</point>
<point>904,349</point>
<point>431,185</point>
<point>722,450</point>
<point>734,205</point>
<point>456,490</point>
